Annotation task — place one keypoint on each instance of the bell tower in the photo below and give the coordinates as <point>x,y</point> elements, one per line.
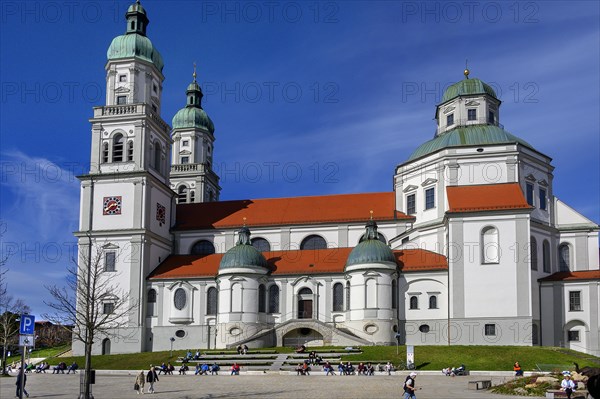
<point>126,201</point>
<point>192,175</point>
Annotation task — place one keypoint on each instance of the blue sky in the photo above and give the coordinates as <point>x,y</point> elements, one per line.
<point>307,97</point>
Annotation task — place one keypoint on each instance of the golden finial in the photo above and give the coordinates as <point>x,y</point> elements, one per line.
<point>371,212</point>
<point>466,71</point>
<point>194,74</point>
<point>244,221</point>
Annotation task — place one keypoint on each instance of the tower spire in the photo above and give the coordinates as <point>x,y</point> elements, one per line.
<point>194,74</point>
<point>466,71</point>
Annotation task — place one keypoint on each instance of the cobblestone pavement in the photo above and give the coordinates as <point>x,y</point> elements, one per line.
<point>251,386</point>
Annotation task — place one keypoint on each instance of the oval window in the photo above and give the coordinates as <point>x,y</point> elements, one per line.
<point>180,298</point>
<point>424,328</point>
<point>235,331</point>
<point>180,333</point>
<point>371,328</point>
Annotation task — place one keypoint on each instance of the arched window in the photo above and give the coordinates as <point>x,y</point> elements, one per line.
<point>414,302</point>
<point>236,297</point>
<point>274,299</point>
<point>182,193</point>
<point>347,295</point>
<point>117,154</point>
<point>380,237</point>
<point>533,253</point>
<point>338,297</point>
<point>203,247</point>
<point>130,150</point>
<point>157,156</point>
<point>490,251</point>
<point>546,256</point>
<point>105,152</point>
<point>180,298</point>
<point>394,294</point>
<point>433,302</point>
<point>564,253</point>
<point>313,242</point>
<point>262,299</point>
<point>152,296</point>
<point>211,301</point>
<point>305,291</point>
<point>261,244</point>
<point>106,346</point>
<point>371,293</point>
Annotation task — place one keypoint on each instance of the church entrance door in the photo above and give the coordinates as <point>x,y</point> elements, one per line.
<point>305,309</point>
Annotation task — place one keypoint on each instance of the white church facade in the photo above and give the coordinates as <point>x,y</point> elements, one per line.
<point>470,246</point>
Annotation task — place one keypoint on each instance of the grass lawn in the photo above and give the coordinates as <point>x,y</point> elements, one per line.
<point>44,352</point>
<point>426,357</point>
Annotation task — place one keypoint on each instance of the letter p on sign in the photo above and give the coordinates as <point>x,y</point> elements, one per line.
<point>27,324</point>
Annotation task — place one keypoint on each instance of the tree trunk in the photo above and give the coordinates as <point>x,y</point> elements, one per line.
<point>87,391</point>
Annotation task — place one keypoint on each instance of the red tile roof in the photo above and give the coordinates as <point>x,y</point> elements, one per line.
<point>306,262</point>
<point>486,197</point>
<point>288,211</point>
<point>570,276</point>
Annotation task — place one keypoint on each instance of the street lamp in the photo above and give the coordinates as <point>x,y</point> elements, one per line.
<point>172,340</point>
<point>397,343</point>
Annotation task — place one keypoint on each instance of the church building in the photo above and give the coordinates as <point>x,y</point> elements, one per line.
<point>469,247</point>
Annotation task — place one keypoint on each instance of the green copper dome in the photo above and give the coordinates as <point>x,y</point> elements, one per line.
<point>467,87</point>
<point>371,250</point>
<point>243,254</point>
<point>467,136</point>
<point>192,117</point>
<point>134,45</point>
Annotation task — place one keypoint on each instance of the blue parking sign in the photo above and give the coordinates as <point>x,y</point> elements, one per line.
<point>27,324</point>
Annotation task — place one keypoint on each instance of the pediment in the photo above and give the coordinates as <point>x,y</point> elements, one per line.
<point>411,187</point>
<point>471,103</point>
<point>449,109</point>
<point>185,152</point>
<point>237,279</point>
<point>428,182</point>
<point>371,273</point>
<point>305,279</point>
<point>179,284</point>
<point>122,89</point>
<point>530,177</point>
<point>543,183</point>
<point>110,245</point>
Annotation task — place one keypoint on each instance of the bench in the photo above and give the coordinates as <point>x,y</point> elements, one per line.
<point>557,393</point>
<point>480,384</point>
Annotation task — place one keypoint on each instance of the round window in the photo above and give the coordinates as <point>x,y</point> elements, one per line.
<point>424,328</point>
<point>180,333</point>
<point>235,331</point>
<point>180,298</point>
<point>371,328</point>
<point>395,328</point>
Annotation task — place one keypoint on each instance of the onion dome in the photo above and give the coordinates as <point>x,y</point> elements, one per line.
<point>193,116</point>
<point>243,254</point>
<point>134,42</point>
<point>371,249</point>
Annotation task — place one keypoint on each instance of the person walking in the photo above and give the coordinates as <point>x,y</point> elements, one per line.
<point>567,385</point>
<point>140,380</point>
<point>19,384</point>
<point>151,378</point>
<point>409,386</point>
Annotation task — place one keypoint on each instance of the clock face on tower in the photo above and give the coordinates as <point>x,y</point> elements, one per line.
<point>111,206</point>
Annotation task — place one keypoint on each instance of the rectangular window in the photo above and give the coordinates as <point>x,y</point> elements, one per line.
<point>154,88</point>
<point>430,198</point>
<point>154,108</point>
<point>573,335</point>
<point>542,199</point>
<point>574,301</point>
<point>405,240</point>
<point>450,120</point>
<point>529,193</point>
<point>472,114</point>
<point>411,204</point>
<point>110,261</point>
<point>122,78</point>
<point>491,117</point>
<point>108,308</point>
<point>185,159</point>
<point>121,100</point>
<point>185,143</point>
<point>490,329</point>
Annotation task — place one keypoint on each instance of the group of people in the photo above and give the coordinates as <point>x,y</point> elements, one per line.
<point>166,368</point>
<point>303,368</point>
<point>242,349</point>
<point>140,380</point>
<point>204,368</point>
<point>454,371</point>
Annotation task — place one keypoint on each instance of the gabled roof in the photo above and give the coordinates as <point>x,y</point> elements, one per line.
<point>486,197</point>
<point>573,276</point>
<point>288,211</point>
<point>302,262</point>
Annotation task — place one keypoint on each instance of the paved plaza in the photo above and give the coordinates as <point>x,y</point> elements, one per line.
<point>259,386</point>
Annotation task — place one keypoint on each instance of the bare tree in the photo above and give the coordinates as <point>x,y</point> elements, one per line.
<point>10,309</point>
<point>92,303</point>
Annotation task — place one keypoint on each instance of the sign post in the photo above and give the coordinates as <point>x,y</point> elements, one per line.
<point>398,336</point>
<point>26,331</point>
